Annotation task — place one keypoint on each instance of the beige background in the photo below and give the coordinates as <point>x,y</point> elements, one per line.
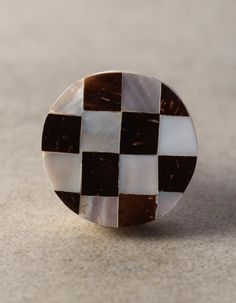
<point>48,254</point>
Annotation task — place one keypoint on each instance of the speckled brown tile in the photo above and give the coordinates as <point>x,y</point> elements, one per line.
<point>171,103</point>
<point>71,200</point>
<point>139,133</point>
<point>61,133</point>
<point>100,174</point>
<point>175,172</point>
<point>103,92</point>
<point>136,209</point>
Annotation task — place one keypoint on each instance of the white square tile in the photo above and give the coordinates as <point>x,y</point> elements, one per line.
<point>71,101</point>
<point>100,131</point>
<point>140,93</point>
<point>64,171</point>
<point>167,201</point>
<point>177,137</point>
<point>138,174</point>
<point>100,210</point>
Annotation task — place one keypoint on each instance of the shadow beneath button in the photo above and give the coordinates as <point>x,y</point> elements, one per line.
<point>208,208</point>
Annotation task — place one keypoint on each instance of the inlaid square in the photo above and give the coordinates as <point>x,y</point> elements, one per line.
<point>64,171</point>
<point>100,131</point>
<point>71,101</point>
<point>139,133</point>
<point>136,209</point>
<point>167,201</point>
<point>171,104</point>
<point>61,133</point>
<point>138,174</point>
<point>71,200</point>
<point>103,92</point>
<point>100,210</point>
<point>177,136</point>
<point>140,93</point>
<point>100,174</point>
<point>175,172</point>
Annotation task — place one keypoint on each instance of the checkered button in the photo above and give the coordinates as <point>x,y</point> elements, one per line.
<point>119,148</point>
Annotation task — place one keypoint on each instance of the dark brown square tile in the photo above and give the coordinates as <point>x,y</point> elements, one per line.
<point>100,174</point>
<point>71,200</point>
<point>103,92</point>
<point>136,209</point>
<point>139,133</point>
<point>171,103</point>
<point>61,133</point>
<point>175,172</point>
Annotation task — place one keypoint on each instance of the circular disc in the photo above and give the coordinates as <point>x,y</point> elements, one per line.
<point>119,148</point>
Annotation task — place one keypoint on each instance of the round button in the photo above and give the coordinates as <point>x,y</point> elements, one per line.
<point>119,148</point>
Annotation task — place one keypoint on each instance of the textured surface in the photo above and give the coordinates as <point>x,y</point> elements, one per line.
<point>47,254</point>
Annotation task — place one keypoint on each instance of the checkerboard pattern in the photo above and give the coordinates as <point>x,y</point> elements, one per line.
<point>119,148</point>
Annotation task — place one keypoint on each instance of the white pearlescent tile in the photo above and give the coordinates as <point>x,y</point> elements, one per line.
<point>140,93</point>
<point>167,201</point>
<point>71,101</point>
<point>100,210</point>
<point>100,131</point>
<point>177,136</point>
<point>64,171</point>
<point>138,174</point>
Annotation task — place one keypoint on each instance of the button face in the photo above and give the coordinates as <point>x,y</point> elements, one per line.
<point>119,148</point>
